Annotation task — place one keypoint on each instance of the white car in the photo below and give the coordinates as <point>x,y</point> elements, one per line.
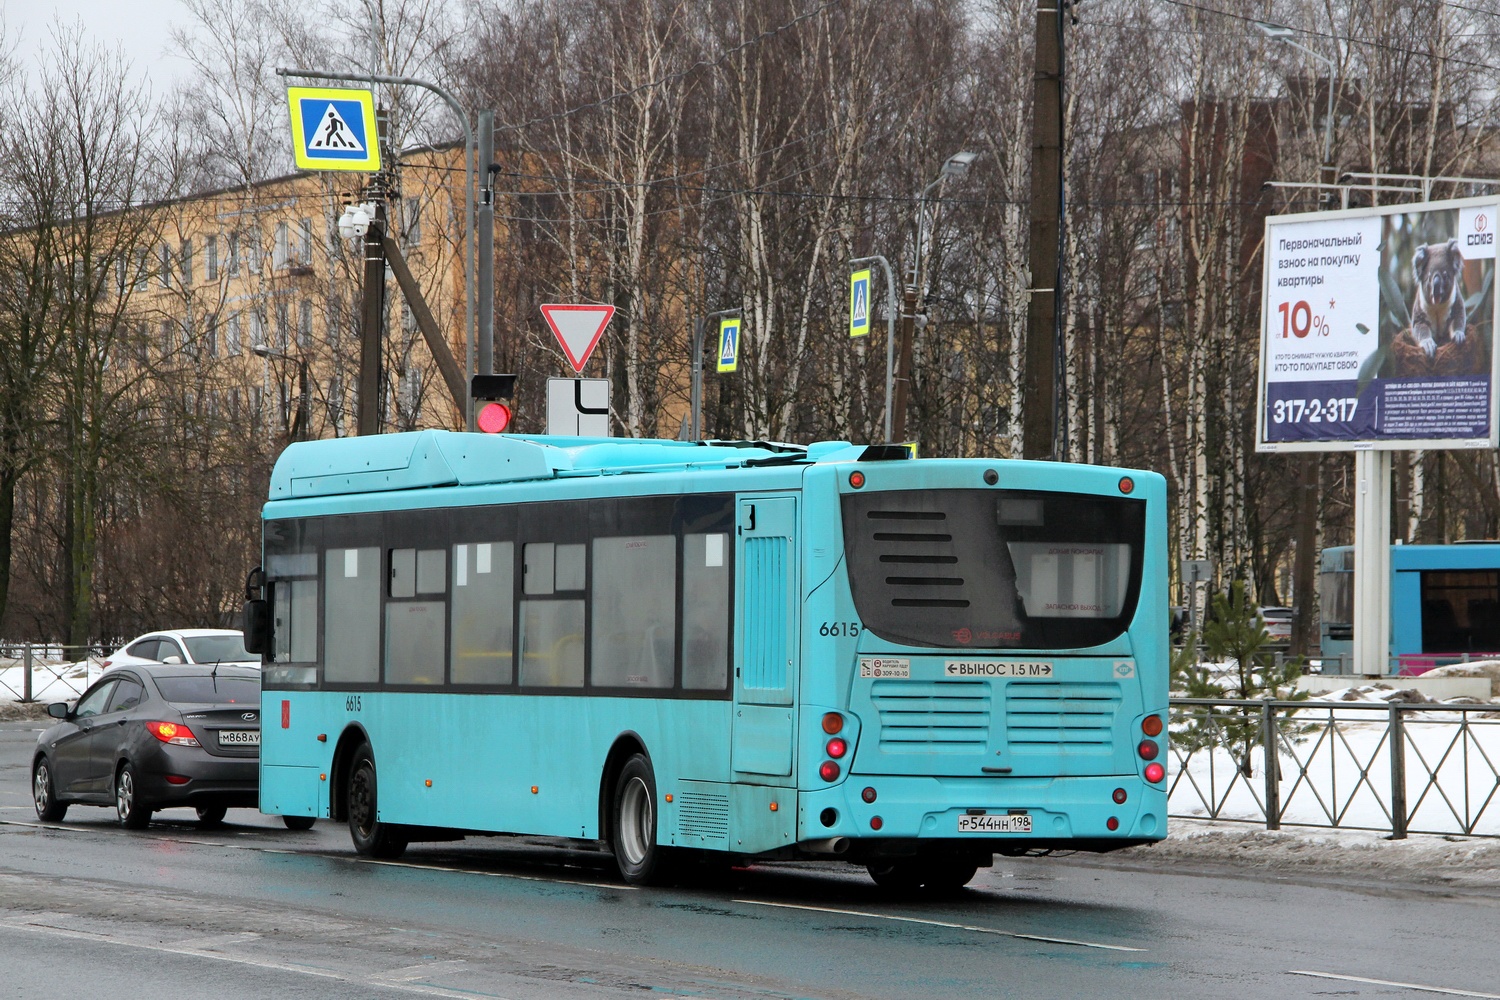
<point>206,646</point>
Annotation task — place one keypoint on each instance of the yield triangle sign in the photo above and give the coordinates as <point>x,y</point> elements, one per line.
<point>578,329</point>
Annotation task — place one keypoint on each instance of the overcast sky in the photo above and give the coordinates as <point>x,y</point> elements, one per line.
<point>141,27</point>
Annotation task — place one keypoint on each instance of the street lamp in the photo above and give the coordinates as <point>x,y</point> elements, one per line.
<point>955,166</point>
<point>301,421</point>
<point>1282,33</point>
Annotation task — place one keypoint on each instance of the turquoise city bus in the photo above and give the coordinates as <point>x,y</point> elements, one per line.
<point>701,651</point>
<point>1445,605</point>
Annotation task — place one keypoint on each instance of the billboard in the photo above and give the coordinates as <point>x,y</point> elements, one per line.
<point>1377,329</point>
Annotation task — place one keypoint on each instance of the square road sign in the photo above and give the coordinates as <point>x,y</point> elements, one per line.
<point>333,128</point>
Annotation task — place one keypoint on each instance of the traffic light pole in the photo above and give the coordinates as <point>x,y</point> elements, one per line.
<point>696,429</point>
<point>372,319</point>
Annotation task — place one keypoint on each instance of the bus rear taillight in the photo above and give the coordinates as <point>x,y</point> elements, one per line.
<point>833,722</point>
<point>1155,772</point>
<point>837,747</point>
<point>1148,750</point>
<point>856,479</point>
<point>1151,725</point>
<point>1119,796</point>
<point>1112,823</point>
<point>829,771</point>
<point>868,795</point>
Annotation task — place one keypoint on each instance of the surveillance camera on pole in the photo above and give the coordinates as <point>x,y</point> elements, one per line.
<point>355,222</point>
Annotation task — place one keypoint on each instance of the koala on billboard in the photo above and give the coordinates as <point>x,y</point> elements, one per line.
<point>1438,314</point>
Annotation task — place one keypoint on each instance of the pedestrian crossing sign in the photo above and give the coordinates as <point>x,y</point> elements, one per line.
<point>859,303</point>
<point>333,128</point>
<point>729,344</point>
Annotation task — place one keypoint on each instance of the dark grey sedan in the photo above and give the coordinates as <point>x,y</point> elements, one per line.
<point>144,738</point>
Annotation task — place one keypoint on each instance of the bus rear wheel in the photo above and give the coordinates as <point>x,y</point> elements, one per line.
<point>641,860</point>
<point>371,837</point>
<point>933,875</point>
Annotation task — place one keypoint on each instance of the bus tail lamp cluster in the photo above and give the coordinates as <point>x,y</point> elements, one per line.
<point>1151,725</point>
<point>833,724</point>
<point>173,733</point>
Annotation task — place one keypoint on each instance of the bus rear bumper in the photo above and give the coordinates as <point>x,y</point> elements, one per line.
<point>993,815</point>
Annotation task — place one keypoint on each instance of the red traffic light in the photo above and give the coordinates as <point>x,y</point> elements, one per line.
<point>494,418</point>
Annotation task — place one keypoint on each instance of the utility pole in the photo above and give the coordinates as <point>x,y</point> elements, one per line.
<point>1040,380</point>
<point>372,324</point>
<point>903,359</point>
<point>486,227</point>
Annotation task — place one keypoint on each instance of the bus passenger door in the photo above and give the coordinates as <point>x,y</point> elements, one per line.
<point>767,611</point>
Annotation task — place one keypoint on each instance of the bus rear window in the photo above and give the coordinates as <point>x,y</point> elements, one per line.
<point>1004,569</point>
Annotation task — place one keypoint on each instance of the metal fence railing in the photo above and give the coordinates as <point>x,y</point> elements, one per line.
<point>1396,767</point>
<point>52,672</point>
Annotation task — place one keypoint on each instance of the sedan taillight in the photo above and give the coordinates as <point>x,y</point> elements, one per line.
<point>174,733</point>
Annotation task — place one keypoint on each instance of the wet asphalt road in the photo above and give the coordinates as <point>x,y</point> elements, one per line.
<point>253,910</point>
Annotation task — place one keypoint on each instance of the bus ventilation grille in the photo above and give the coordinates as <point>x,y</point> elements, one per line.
<point>703,815</point>
<point>916,554</point>
<point>766,638</point>
<point>933,716</point>
<point>1041,715</point>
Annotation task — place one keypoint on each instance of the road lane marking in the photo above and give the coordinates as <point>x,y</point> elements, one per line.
<point>414,972</point>
<point>375,979</point>
<point>943,923</point>
<point>1389,982</point>
<point>355,859</point>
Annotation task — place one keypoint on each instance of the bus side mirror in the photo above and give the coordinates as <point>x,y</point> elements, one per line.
<point>256,624</point>
<point>256,616</point>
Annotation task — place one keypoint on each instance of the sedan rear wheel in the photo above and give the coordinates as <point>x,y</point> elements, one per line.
<point>132,815</point>
<point>210,817</point>
<point>48,809</point>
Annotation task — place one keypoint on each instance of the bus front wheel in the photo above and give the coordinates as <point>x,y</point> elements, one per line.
<point>642,861</point>
<point>371,837</point>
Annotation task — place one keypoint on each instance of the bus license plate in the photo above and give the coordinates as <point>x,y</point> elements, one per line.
<point>239,738</point>
<point>994,824</point>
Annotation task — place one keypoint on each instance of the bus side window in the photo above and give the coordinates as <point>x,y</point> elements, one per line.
<point>351,615</point>
<point>634,627</point>
<point>552,630</point>
<point>705,612</point>
<point>483,589</point>
<point>294,604</point>
<point>415,630</point>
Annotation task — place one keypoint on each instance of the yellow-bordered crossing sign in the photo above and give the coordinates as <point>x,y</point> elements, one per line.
<point>333,128</point>
<point>729,344</point>
<point>859,303</point>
